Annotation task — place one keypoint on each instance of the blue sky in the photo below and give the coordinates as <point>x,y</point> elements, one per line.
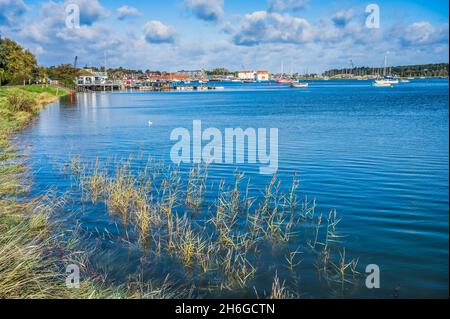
<point>307,35</point>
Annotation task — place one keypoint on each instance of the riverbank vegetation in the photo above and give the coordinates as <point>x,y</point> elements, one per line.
<point>34,251</point>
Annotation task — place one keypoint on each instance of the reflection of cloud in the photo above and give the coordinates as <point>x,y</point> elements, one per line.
<point>10,11</point>
<point>158,32</point>
<point>207,10</point>
<point>126,12</point>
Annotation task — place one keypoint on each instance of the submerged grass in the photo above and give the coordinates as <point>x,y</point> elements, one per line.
<point>220,245</point>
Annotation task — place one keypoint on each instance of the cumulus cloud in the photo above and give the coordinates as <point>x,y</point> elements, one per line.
<point>126,12</point>
<point>423,33</point>
<point>318,44</point>
<point>287,5</point>
<point>269,27</point>
<point>11,11</point>
<point>207,10</point>
<point>157,32</point>
<point>90,10</point>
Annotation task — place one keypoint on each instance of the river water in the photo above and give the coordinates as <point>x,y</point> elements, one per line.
<point>379,156</point>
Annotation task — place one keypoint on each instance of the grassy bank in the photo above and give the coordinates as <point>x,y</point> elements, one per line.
<point>33,252</point>
<point>27,268</point>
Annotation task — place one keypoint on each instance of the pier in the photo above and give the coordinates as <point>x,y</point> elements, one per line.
<point>98,86</point>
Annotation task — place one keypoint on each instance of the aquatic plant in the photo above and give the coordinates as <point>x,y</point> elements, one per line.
<point>220,244</point>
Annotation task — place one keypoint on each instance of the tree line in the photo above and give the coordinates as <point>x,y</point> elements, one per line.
<point>419,70</point>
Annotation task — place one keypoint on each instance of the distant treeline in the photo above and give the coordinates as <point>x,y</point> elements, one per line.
<point>420,70</point>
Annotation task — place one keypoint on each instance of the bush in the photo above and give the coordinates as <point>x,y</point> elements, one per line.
<point>21,102</point>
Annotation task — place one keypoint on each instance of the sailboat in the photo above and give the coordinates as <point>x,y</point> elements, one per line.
<point>386,80</point>
<point>283,80</point>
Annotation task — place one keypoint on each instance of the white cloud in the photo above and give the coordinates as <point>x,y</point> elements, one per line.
<point>267,27</point>
<point>207,10</point>
<point>126,12</point>
<point>423,33</point>
<point>256,40</point>
<point>91,11</point>
<point>157,32</point>
<point>287,5</point>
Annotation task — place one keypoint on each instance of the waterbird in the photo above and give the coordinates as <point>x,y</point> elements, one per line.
<point>150,123</point>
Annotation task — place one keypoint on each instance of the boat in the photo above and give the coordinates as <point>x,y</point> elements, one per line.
<point>387,80</point>
<point>382,84</point>
<point>299,85</point>
<point>404,81</point>
<point>284,81</point>
<point>203,81</point>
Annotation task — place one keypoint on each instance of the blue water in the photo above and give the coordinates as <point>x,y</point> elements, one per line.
<point>379,156</point>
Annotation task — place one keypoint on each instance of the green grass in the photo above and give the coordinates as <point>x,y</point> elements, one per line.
<point>56,91</point>
<point>32,251</point>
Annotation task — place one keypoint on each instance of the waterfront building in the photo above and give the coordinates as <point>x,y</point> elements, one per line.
<point>193,74</point>
<point>253,75</point>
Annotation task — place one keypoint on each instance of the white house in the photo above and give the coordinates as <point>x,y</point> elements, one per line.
<point>92,78</point>
<point>246,75</point>
<point>262,76</point>
<point>253,75</point>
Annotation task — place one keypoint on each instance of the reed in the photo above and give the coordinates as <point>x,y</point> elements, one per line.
<point>279,290</point>
<point>223,240</point>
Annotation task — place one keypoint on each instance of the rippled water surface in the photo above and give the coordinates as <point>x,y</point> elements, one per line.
<point>377,155</point>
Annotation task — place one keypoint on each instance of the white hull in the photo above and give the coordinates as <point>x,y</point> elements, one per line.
<point>299,85</point>
<point>378,84</point>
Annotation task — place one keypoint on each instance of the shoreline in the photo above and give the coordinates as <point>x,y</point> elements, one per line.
<point>28,269</point>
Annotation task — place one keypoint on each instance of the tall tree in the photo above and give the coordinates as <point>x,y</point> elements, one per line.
<point>17,65</point>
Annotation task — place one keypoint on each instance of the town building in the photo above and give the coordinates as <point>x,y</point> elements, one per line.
<point>91,77</point>
<point>253,75</point>
<point>194,74</point>
<point>262,76</point>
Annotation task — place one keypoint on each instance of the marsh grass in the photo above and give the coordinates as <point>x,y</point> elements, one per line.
<point>279,290</point>
<point>221,243</point>
<point>34,247</point>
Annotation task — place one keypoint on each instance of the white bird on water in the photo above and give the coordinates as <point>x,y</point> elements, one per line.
<point>150,123</point>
